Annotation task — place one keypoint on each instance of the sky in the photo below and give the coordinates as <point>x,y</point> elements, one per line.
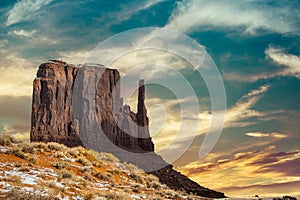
<point>255,45</point>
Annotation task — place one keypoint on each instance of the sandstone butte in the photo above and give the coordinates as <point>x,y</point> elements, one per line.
<point>53,119</point>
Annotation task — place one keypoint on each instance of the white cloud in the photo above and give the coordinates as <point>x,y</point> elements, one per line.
<point>261,134</point>
<point>289,65</point>
<point>292,62</point>
<point>237,115</point>
<point>128,10</point>
<point>20,136</point>
<point>23,33</point>
<point>249,16</point>
<point>16,76</point>
<point>73,57</point>
<point>24,10</point>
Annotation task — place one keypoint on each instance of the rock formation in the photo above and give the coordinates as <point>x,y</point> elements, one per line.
<point>60,116</point>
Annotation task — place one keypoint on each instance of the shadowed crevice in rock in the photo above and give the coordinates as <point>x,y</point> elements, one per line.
<point>75,120</point>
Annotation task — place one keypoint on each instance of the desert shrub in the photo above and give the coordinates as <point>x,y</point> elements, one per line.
<point>74,152</point>
<point>17,152</point>
<point>82,160</point>
<point>98,163</point>
<point>117,196</point>
<point>79,149</point>
<point>18,165</point>
<point>103,176</point>
<point>152,178</point>
<point>49,184</point>
<point>154,185</point>
<point>58,154</point>
<point>19,194</point>
<point>39,145</point>
<point>88,169</point>
<point>153,182</point>
<point>6,140</point>
<point>13,179</point>
<point>27,148</point>
<point>155,197</point>
<point>31,159</point>
<point>92,155</point>
<point>62,165</point>
<point>131,167</point>
<point>108,157</point>
<point>64,174</point>
<point>24,169</point>
<point>55,146</point>
<point>137,177</point>
<point>114,171</point>
<point>42,175</point>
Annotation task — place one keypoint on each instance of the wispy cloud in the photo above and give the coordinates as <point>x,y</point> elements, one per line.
<point>292,62</point>
<point>249,17</point>
<point>237,115</point>
<point>129,10</point>
<point>261,134</point>
<point>169,121</point>
<point>284,65</point>
<point>23,33</point>
<point>24,10</point>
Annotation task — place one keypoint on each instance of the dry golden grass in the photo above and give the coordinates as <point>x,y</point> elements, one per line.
<point>60,172</point>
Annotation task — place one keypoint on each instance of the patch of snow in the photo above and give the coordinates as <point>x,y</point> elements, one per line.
<point>65,158</point>
<point>3,149</point>
<point>5,186</point>
<point>138,196</point>
<point>78,198</point>
<point>102,186</point>
<point>26,178</point>
<point>28,189</point>
<point>58,184</point>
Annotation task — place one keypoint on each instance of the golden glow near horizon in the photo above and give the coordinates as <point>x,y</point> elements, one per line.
<point>266,172</point>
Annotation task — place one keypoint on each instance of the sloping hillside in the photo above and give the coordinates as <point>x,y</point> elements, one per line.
<point>53,171</point>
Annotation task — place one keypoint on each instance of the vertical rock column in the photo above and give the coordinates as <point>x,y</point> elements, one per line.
<point>144,139</point>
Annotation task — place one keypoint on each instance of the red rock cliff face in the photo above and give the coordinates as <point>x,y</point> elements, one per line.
<point>53,118</point>
<point>52,109</point>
